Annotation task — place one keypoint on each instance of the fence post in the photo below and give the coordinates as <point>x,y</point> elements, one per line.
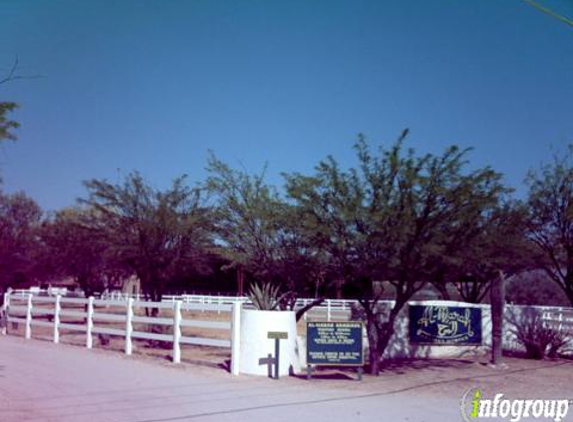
<point>28,331</point>
<point>176,331</point>
<point>90,323</point>
<point>128,326</point>
<point>235,337</point>
<point>6,311</point>
<point>57,310</point>
<point>6,300</point>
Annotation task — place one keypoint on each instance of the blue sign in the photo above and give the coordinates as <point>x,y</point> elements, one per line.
<point>334,343</point>
<point>448,325</point>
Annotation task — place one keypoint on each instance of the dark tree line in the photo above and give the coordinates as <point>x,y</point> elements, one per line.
<point>389,226</point>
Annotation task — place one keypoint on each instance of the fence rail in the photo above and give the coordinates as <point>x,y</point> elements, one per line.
<point>31,309</point>
<point>560,318</point>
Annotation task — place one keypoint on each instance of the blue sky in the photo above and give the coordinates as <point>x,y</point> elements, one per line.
<point>153,85</point>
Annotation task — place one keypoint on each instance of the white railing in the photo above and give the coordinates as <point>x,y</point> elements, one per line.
<point>47,311</point>
<point>330,309</point>
<point>560,318</point>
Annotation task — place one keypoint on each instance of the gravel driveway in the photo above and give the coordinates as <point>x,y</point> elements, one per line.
<point>40,381</point>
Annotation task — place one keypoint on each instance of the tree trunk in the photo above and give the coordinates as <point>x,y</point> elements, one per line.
<point>385,333</point>
<point>568,286</point>
<point>338,285</point>
<point>443,290</point>
<point>300,313</point>
<point>379,335</point>
<point>497,295</point>
<point>373,353</point>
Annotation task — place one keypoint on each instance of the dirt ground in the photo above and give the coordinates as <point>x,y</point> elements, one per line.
<point>439,377</point>
<point>44,382</point>
<point>202,355</point>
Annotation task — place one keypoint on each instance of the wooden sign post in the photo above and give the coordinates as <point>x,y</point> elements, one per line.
<point>277,336</point>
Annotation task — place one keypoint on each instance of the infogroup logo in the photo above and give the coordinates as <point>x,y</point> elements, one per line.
<point>475,407</point>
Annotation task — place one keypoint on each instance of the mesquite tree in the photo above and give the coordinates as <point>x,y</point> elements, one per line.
<point>257,231</point>
<point>492,239</point>
<point>391,217</point>
<point>550,226</point>
<point>158,234</point>
<point>20,219</point>
<point>76,248</point>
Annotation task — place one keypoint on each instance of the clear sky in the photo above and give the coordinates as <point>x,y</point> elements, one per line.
<point>153,85</point>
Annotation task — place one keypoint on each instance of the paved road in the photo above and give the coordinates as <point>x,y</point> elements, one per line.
<point>40,381</point>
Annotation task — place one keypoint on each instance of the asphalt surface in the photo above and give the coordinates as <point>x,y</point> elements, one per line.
<point>40,381</point>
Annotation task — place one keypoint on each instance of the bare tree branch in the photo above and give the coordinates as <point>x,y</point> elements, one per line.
<point>13,75</point>
<point>549,12</point>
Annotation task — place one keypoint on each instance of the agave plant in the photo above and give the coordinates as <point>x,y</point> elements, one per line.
<point>266,297</point>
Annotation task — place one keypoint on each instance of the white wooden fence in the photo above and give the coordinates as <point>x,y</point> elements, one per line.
<point>31,310</point>
<point>329,310</point>
<point>560,318</point>
<point>54,312</point>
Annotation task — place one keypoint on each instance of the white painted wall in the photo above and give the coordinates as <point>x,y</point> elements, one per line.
<point>256,345</point>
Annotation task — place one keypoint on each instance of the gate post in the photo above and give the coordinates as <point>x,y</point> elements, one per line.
<point>235,337</point>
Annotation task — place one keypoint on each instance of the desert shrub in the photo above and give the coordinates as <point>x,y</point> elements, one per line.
<point>539,340</point>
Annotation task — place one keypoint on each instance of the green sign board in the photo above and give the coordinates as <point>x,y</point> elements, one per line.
<point>447,325</point>
<point>334,343</point>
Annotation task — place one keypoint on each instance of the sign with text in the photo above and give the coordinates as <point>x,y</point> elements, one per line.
<point>448,325</point>
<point>334,343</point>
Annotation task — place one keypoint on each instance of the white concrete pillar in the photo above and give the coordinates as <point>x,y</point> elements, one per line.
<point>236,338</point>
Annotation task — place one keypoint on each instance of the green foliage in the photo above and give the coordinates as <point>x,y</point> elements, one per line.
<point>396,216</point>
<point>538,339</point>
<point>550,222</point>
<point>259,231</point>
<point>6,124</point>
<point>75,249</point>
<point>158,234</point>
<point>20,219</point>
<point>266,297</point>
<point>483,244</point>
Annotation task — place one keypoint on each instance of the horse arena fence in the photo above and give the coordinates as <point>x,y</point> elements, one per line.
<point>185,319</point>
<point>126,319</point>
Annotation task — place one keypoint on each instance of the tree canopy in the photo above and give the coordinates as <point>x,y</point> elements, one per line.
<point>550,224</point>
<point>7,125</point>
<point>20,218</point>
<point>393,217</point>
<point>156,233</point>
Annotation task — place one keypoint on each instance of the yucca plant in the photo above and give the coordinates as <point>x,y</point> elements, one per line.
<point>266,297</point>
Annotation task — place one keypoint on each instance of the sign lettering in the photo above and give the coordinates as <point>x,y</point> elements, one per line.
<point>334,343</point>
<point>445,325</point>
